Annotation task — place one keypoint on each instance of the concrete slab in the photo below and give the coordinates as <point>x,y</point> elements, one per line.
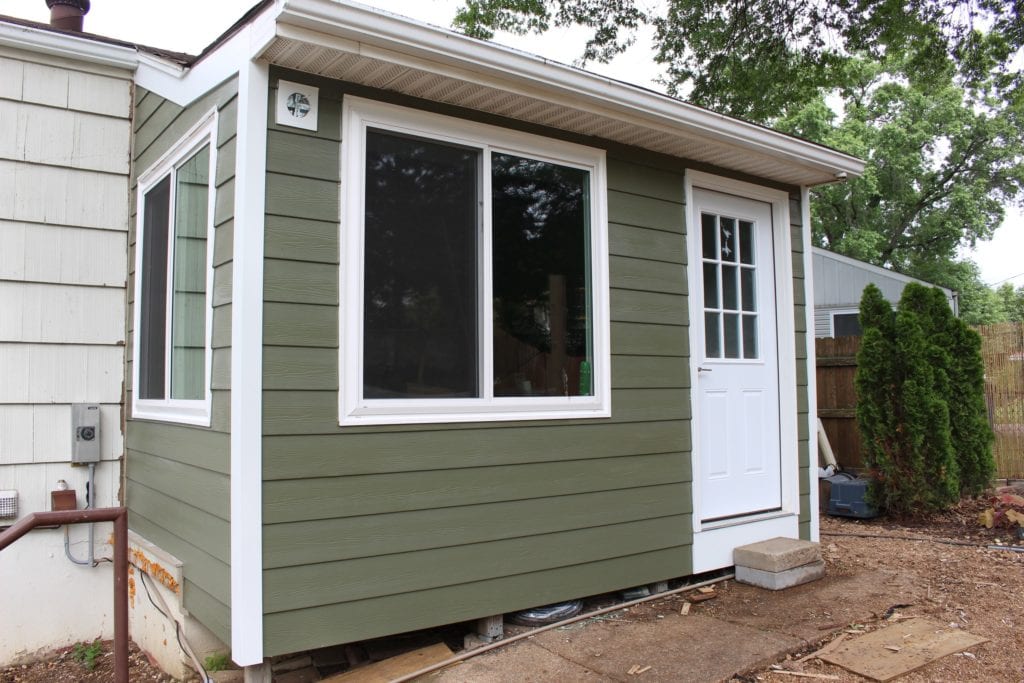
<point>781,580</point>
<point>776,554</point>
<point>677,648</point>
<point>522,662</point>
<point>815,609</point>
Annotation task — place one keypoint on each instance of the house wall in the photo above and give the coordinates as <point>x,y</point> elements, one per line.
<point>374,530</point>
<point>839,283</point>
<point>64,161</point>
<point>804,366</point>
<point>178,475</point>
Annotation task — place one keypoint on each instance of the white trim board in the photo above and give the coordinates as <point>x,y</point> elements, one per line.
<point>247,369</point>
<point>76,48</point>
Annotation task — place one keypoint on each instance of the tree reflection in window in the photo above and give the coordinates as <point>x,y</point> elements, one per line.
<point>542,317</point>
<point>420,304</point>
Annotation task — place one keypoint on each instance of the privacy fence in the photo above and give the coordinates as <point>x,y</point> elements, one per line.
<point>1002,348</point>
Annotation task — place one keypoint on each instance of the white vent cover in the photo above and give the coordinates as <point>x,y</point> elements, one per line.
<point>8,504</point>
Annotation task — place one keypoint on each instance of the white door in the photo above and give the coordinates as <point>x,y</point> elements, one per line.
<point>737,379</point>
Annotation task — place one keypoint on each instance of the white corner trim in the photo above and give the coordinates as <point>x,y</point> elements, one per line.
<point>812,379</point>
<point>78,48</point>
<point>184,85</point>
<point>247,369</point>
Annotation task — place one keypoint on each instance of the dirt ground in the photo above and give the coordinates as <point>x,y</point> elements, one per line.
<point>942,566</point>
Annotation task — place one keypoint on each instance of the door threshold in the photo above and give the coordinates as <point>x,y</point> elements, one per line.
<point>744,519</point>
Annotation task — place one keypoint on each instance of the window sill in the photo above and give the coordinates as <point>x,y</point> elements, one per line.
<point>374,415</point>
<point>196,413</point>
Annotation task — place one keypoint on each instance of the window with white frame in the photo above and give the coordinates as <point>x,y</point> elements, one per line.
<point>173,278</point>
<point>846,323</point>
<point>475,272</point>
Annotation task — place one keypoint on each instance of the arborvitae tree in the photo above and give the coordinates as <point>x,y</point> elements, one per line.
<point>968,415</point>
<point>879,412</point>
<point>955,353</point>
<point>902,402</point>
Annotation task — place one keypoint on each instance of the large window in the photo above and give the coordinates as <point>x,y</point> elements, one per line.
<point>173,276</point>
<point>474,283</point>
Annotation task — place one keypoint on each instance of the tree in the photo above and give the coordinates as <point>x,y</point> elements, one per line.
<point>929,100</point>
<point>903,401</point>
<point>1011,300</point>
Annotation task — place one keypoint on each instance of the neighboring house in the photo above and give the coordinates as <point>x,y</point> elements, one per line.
<point>839,282</point>
<point>422,329</point>
<point>65,135</point>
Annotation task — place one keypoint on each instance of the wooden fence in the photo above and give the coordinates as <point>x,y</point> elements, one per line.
<point>1002,349</point>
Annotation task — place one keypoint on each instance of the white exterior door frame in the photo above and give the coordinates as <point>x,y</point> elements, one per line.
<point>713,542</point>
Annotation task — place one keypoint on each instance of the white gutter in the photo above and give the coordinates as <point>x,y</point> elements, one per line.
<point>370,28</point>
<point>80,48</point>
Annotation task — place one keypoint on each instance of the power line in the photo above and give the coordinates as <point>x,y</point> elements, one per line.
<point>1006,279</point>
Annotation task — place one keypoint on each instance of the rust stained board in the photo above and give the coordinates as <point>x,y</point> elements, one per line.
<point>900,648</point>
<point>395,667</point>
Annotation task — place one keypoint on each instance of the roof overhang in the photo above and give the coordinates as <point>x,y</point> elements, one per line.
<point>363,45</point>
<point>79,47</point>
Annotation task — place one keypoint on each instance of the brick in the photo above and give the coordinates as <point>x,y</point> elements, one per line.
<point>776,581</point>
<point>776,554</point>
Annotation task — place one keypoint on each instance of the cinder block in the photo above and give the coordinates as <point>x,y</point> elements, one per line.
<point>776,554</point>
<point>776,581</point>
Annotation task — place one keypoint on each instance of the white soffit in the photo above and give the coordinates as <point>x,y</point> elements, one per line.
<point>369,47</point>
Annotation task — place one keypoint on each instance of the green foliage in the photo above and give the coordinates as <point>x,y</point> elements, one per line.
<point>932,103</point>
<point>920,402</point>
<point>218,662</point>
<point>1011,301</point>
<point>86,654</point>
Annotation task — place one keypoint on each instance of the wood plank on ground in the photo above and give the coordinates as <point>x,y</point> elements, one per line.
<point>898,649</point>
<point>394,667</point>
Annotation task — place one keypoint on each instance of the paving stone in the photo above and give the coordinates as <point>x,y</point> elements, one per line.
<point>776,554</point>
<point>776,581</point>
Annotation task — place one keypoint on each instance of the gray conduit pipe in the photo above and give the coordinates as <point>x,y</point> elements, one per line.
<point>90,500</point>
<point>466,654</point>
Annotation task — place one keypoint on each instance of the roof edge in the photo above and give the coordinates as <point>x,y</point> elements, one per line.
<point>81,47</point>
<point>367,25</point>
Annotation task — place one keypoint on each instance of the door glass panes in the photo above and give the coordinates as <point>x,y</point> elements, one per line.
<point>729,278</point>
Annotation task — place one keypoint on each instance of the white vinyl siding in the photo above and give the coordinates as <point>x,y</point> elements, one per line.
<point>64,164</point>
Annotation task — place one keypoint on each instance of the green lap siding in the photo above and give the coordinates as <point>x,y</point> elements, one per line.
<point>803,368</point>
<point>178,476</point>
<point>372,530</point>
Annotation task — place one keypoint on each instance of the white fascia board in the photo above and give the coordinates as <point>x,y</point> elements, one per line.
<point>184,85</point>
<point>878,270</point>
<point>438,47</point>
<point>69,47</point>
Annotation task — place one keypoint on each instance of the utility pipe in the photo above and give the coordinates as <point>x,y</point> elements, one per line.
<point>119,516</point>
<point>466,654</point>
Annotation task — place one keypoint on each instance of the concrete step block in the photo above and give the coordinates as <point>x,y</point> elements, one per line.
<point>787,578</point>
<point>776,554</point>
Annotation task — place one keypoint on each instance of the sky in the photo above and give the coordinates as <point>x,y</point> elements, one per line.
<point>190,25</point>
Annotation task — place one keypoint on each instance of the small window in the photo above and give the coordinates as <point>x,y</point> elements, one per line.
<point>846,324</point>
<point>476,266</point>
<point>173,282</point>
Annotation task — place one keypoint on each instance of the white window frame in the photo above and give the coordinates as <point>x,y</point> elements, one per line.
<point>832,318</point>
<point>185,411</point>
<point>359,114</point>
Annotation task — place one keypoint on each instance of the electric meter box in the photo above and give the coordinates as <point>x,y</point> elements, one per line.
<point>85,433</point>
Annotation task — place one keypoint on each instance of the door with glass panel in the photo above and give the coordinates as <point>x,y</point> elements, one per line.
<point>737,380</point>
